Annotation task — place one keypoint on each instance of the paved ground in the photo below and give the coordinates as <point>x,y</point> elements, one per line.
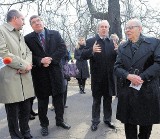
<point>78,115</point>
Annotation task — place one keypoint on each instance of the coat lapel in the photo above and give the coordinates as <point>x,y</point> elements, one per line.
<point>127,51</point>
<point>35,37</point>
<point>47,38</point>
<point>140,53</point>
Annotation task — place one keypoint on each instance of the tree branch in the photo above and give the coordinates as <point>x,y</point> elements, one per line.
<point>18,2</point>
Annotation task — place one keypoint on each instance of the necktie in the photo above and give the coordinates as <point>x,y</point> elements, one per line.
<point>134,48</point>
<point>42,40</point>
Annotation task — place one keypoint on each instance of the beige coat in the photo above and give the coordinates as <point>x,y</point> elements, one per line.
<point>14,87</point>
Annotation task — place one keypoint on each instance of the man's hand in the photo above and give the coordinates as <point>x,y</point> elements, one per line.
<point>96,48</point>
<point>28,68</point>
<point>45,65</point>
<point>46,61</point>
<point>135,79</point>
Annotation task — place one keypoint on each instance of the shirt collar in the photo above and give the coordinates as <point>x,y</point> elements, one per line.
<point>101,38</point>
<point>43,32</point>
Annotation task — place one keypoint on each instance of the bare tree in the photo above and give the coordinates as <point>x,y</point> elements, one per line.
<point>75,18</point>
<point>112,15</point>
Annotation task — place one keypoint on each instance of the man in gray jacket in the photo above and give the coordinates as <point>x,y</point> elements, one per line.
<point>16,85</point>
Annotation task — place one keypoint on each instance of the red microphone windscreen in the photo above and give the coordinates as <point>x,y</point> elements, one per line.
<point>7,60</point>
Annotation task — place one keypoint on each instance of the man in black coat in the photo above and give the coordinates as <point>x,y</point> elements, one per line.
<point>47,48</point>
<point>138,67</point>
<point>100,51</point>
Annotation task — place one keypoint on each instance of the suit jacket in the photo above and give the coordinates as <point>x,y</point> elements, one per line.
<point>47,80</point>
<point>14,87</point>
<point>139,107</point>
<point>101,64</point>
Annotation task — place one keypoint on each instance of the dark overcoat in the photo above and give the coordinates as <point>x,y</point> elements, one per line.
<point>101,64</point>
<point>139,107</point>
<point>81,64</point>
<point>47,80</point>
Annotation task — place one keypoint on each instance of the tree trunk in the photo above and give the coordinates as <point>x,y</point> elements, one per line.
<point>114,17</point>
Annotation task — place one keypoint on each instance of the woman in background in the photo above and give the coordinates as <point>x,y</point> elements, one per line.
<point>82,65</point>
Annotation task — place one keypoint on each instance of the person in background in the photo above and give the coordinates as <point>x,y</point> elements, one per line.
<point>81,64</point>
<point>65,59</point>
<point>138,67</point>
<point>16,87</point>
<point>48,48</point>
<point>102,54</point>
<point>115,39</point>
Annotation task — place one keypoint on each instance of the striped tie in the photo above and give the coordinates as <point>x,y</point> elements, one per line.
<point>42,40</point>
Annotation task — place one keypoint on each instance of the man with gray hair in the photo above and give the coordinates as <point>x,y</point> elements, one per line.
<point>16,87</point>
<point>137,67</point>
<point>100,51</point>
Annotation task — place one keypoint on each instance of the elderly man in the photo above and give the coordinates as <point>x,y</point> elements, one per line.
<point>16,85</point>
<point>100,51</point>
<point>137,67</point>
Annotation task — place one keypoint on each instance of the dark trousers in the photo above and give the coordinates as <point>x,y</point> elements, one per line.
<point>81,83</point>
<point>131,131</point>
<point>43,109</point>
<point>96,107</point>
<point>18,118</point>
<point>31,101</point>
<point>65,93</point>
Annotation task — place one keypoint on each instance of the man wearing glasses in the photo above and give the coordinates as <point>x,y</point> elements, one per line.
<point>48,48</point>
<point>138,65</point>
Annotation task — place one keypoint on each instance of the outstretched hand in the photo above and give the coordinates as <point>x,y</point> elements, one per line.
<point>96,48</point>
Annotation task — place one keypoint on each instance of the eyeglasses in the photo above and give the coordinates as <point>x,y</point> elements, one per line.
<point>130,27</point>
<point>36,21</point>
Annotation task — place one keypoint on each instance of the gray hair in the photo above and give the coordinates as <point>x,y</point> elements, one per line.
<point>103,21</point>
<point>32,17</point>
<point>11,14</point>
<point>136,21</point>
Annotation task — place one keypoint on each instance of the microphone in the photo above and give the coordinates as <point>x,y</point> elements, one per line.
<point>7,60</point>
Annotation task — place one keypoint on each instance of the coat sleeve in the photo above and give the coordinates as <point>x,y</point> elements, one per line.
<point>153,70</point>
<point>17,62</point>
<point>36,59</point>
<point>61,49</point>
<point>77,54</point>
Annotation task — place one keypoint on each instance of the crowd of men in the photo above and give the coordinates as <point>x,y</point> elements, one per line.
<point>36,70</point>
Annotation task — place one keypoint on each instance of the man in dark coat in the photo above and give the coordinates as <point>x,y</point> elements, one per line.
<point>137,67</point>
<point>100,51</point>
<point>47,48</point>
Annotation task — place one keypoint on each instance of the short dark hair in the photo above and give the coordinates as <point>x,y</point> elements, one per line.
<point>11,14</point>
<point>33,16</point>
